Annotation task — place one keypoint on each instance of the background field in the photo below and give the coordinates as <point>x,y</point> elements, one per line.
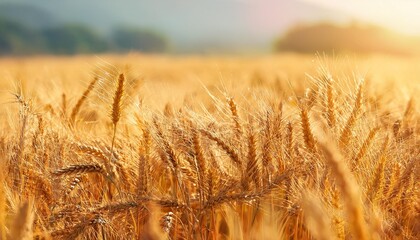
<point>210,147</point>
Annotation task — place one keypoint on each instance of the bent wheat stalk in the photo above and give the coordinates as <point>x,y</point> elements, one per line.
<point>349,189</point>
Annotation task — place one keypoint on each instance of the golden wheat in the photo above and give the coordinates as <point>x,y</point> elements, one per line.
<point>333,160</point>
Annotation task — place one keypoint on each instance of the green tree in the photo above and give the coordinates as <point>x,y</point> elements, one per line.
<point>72,39</point>
<point>126,39</point>
<point>15,38</point>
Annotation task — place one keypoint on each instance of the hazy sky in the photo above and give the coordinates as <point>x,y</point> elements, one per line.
<point>234,22</point>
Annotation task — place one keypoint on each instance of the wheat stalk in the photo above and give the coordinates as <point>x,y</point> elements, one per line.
<point>316,217</point>
<point>23,222</point>
<point>349,189</point>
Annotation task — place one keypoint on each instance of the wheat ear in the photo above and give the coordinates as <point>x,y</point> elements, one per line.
<point>403,181</point>
<point>346,133</point>
<point>200,162</point>
<point>143,170</point>
<point>82,99</point>
<point>116,105</point>
<point>365,147</point>
<point>116,108</point>
<point>330,104</point>
<point>253,168</point>
<point>79,169</point>
<point>63,105</point>
<point>409,109</point>
<point>99,154</point>
<point>377,183</point>
<point>229,150</point>
<point>171,157</point>
<point>289,141</point>
<point>306,129</point>
<point>234,110</point>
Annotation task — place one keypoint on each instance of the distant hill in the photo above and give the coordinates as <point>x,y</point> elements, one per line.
<point>28,15</point>
<point>361,38</point>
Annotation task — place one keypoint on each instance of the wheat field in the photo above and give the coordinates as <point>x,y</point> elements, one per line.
<point>157,147</point>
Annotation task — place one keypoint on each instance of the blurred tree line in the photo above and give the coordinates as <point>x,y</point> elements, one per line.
<point>19,39</point>
<point>356,37</point>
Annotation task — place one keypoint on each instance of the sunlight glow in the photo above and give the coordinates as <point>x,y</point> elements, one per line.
<point>402,15</point>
